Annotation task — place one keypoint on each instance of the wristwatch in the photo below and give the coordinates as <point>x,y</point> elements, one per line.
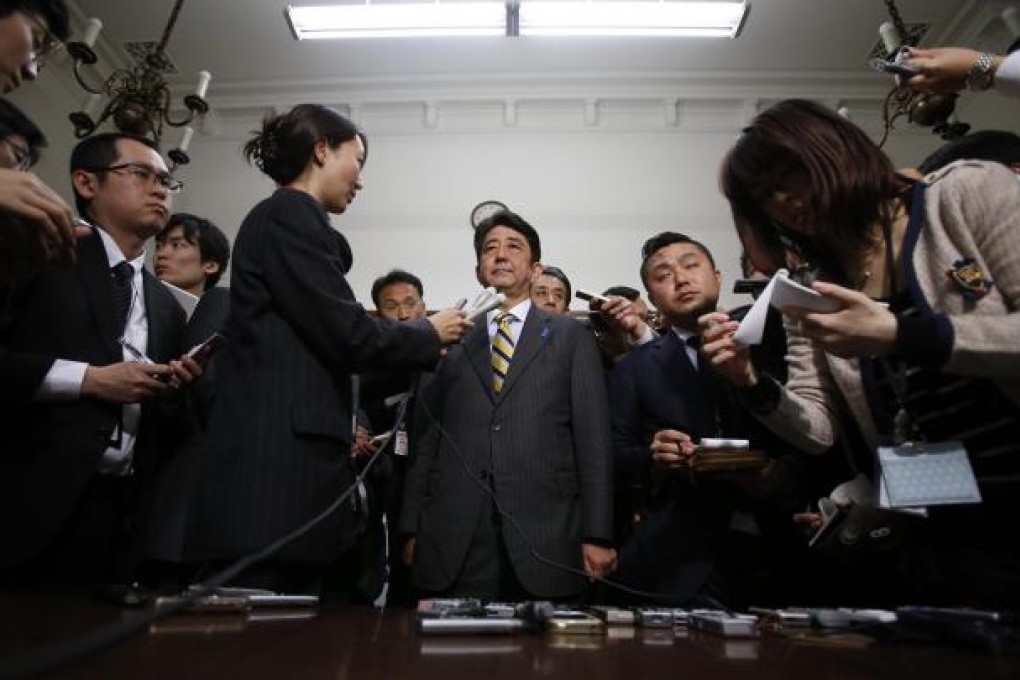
<point>982,71</point>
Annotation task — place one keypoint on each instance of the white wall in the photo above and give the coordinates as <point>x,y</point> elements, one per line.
<point>595,184</point>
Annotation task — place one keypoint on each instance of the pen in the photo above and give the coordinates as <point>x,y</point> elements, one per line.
<point>135,353</point>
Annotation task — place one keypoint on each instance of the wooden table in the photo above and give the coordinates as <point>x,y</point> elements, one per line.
<point>352,642</point>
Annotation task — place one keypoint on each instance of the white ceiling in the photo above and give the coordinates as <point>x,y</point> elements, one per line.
<point>247,44</point>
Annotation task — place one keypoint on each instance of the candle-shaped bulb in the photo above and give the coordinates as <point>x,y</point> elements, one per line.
<point>203,83</point>
<point>189,132</point>
<point>92,29</point>
<point>91,104</point>
<point>890,36</point>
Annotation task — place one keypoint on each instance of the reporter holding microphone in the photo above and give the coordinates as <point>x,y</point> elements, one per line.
<point>280,431</point>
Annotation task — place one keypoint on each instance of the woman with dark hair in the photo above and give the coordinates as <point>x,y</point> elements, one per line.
<point>925,345</point>
<point>280,430</point>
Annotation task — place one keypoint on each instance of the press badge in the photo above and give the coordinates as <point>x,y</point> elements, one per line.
<point>921,474</point>
<point>400,443</point>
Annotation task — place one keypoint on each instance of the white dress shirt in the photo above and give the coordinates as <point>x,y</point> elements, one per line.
<point>64,379</point>
<point>520,312</point>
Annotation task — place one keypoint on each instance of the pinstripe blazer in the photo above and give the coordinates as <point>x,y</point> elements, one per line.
<point>51,449</point>
<point>967,209</point>
<point>279,433</point>
<point>542,445</point>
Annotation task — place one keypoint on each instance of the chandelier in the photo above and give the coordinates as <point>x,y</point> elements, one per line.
<point>926,110</point>
<point>137,99</point>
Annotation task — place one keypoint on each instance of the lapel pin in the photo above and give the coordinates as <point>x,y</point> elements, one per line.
<point>968,279</point>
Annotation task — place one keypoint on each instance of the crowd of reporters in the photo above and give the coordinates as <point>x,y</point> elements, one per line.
<point>527,451</point>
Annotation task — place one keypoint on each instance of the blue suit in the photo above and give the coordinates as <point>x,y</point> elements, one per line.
<point>674,550</point>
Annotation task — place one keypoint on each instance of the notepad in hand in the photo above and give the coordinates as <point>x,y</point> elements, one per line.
<point>781,293</point>
<point>789,293</point>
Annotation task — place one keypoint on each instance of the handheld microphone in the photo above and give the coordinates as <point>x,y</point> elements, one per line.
<point>478,299</point>
<point>490,304</point>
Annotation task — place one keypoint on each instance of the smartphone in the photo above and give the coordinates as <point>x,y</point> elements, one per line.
<point>654,617</point>
<point>749,286</point>
<point>574,622</point>
<point>590,297</point>
<point>893,67</point>
<point>614,616</point>
<point>204,351</point>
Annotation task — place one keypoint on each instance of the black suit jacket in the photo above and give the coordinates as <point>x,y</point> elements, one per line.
<point>51,449</point>
<point>542,445</point>
<point>280,431</point>
<point>656,387</point>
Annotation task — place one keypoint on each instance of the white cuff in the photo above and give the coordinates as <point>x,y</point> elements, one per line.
<point>1007,76</point>
<point>62,382</point>
<point>646,337</point>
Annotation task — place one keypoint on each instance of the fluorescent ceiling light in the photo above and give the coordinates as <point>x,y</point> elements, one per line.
<point>398,21</point>
<point>655,19</point>
<point>525,17</point>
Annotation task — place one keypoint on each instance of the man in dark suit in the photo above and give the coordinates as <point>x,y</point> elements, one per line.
<point>700,537</point>
<point>509,491</point>
<point>85,372</point>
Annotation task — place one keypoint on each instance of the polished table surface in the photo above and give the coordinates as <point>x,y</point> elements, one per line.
<point>360,642</point>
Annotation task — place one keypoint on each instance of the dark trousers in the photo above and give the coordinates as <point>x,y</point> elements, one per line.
<point>487,572</point>
<point>96,545</point>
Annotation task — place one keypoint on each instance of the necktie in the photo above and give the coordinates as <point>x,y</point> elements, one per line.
<point>694,342</point>
<point>120,281</point>
<point>502,350</point>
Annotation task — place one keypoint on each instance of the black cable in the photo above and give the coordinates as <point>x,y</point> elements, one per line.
<point>53,656</point>
<point>531,546</point>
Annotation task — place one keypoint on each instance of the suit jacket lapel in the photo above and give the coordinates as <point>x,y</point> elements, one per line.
<point>529,344</point>
<point>94,271</point>
<point>698,394</point>
<point>156,314</point>
<point>476,347</point>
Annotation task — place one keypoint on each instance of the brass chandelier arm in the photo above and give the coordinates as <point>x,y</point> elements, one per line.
<point>102,89</point>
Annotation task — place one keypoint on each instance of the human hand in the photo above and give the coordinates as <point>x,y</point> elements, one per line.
<point>362,444</point>
<point>24,195</point>
<point>620,314</point>
<point>127,382</point>
<point>450,325</point>
<point>671,448</point>
<point>599,562</point>
<point>862,327</point>
<point>185,371</point>
<point>729,359</point>
<point>409,545</point>
<point>942,69</point>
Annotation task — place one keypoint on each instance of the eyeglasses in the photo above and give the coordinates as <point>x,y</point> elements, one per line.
<point>405,306</point>
<point>20,155</point>
<point>143,174</point>
<point>44,43</point>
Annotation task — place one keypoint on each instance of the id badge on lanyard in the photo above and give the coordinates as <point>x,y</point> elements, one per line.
<point>915,473</point>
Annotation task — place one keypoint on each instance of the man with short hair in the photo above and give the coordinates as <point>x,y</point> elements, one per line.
<point>699,537</point>
<point>551,290</point>
<point>191,253</point>
<point>36,225</point>
<point>398,296</point>
<point>88,360</point>
<point>509,490</point>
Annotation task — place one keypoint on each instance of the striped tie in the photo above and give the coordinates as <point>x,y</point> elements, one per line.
<point>502,350</point>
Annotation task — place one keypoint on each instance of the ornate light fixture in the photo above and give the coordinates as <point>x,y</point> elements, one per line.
<point>138,99</point>
<point>926,110</point>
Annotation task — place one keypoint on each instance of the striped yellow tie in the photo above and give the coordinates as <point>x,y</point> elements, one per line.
<point>502,350</point>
